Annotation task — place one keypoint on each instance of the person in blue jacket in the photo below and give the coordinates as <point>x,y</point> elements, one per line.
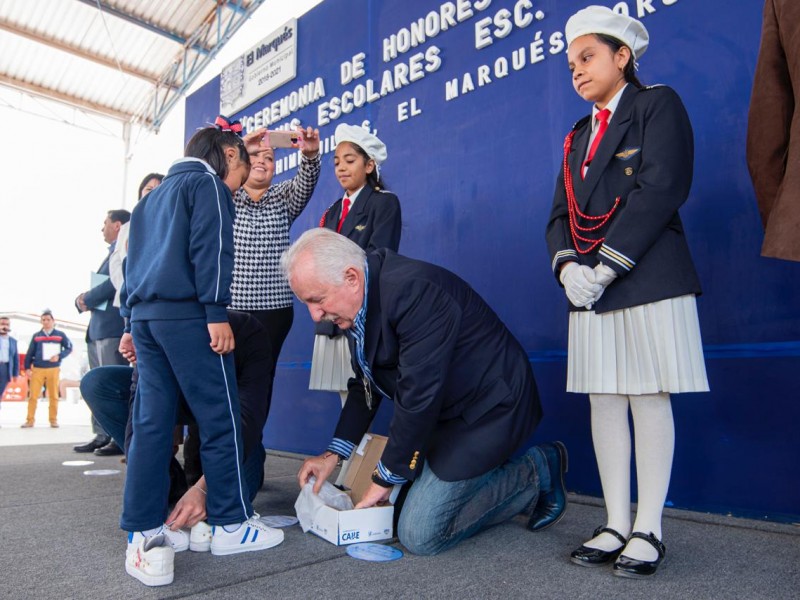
<point>618,247</point>
<point>9,355</point>
<point>177,287</point>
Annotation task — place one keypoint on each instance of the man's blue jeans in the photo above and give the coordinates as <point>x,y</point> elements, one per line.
<point>107,391</point>
<point>438,514</point>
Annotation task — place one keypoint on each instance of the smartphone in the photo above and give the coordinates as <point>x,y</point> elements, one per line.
<point>283,139</point>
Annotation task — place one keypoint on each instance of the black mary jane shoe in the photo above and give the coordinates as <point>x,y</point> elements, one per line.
<point>639,569</point>
<point>594,557</point>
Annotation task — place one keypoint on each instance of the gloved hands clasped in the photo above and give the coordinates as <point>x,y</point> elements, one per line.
<point>584,286</point>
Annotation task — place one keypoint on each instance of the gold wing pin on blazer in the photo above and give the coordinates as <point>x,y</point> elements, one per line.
<point>627,153</point>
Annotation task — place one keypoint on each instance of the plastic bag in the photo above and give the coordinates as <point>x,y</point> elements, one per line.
<point>308,503</point>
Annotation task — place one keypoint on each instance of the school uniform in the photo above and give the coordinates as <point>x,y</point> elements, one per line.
<point>373,221</point>
<point>642,336</point>
<point>177,282</point>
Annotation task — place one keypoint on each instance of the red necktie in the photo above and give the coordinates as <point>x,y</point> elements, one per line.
<point>602,124</point>
<point>345,210</point>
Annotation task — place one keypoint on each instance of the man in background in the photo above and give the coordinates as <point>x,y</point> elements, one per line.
<point>47,349</point>
<point>105,327</point>
<point>9,355</point>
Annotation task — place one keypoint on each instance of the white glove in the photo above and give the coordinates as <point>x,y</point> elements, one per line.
<point>604,276</point>
<point>578,281</point>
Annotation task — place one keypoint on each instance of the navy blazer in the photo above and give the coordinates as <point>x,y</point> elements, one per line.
<point>645,158</point>
<point>373,222</point>
<point>13,360</point>
<point>107,322</point>
<point>464,394</point>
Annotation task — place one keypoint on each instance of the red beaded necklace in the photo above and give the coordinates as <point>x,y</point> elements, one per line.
<point>575,212</point>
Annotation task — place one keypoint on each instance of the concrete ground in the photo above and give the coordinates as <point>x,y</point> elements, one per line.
<point>59,539</point>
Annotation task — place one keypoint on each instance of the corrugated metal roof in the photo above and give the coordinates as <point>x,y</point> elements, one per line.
<point>130,59</point>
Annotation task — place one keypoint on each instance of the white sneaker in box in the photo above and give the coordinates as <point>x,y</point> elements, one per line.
<point>249,536</point>
<point>152,562</point>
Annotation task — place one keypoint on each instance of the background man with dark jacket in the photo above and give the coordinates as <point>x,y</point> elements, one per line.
<point>9,355</point>
<point>105,328</point>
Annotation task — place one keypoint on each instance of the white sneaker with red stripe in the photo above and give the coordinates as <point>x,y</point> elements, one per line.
<point>152,561</point>
<point>249,536</point>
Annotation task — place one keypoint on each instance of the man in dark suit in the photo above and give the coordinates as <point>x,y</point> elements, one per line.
<point>465,398</point>
<point>105,329</point>
<point>9,355</point>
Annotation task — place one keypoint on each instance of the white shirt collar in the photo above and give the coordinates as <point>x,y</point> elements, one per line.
<point>353,197</point>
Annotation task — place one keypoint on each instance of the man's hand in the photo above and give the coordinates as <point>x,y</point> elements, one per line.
<point>190,509</point>
<point>320,467</point>
<point>54,358</point>
<point>222,340</point>
<point>28,373</point>
<point>310,141</point>
<point>126,348</point>
<point>80,304</point>
<point>375,494</point>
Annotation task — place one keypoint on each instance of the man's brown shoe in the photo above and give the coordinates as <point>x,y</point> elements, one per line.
<point>27,425</point>
<point>54,424</point>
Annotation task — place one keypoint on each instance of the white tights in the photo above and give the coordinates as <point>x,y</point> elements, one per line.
<point>655,443</point>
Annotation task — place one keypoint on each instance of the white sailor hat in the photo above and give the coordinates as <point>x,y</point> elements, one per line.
<point>374,148</point>
<point>603,20</point>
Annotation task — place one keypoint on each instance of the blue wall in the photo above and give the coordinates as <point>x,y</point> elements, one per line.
<point>475,176</point>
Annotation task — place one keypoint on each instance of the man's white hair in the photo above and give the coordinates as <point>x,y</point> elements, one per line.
<point>330,253</point>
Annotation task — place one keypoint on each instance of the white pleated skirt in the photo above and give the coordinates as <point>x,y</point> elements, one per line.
<point>644,349</point>
<point>330,364</point>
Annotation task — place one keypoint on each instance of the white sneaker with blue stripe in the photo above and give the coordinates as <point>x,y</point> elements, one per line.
<point>178,540</point>
<point>249,536</point>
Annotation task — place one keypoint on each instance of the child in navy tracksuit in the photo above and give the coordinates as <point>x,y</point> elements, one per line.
<point>178,274</point>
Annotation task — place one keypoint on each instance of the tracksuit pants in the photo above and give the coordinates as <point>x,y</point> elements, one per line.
<point>174,356</point>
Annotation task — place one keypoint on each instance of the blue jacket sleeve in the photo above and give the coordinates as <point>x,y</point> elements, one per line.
<point>31,354</point>
<point>211,246</point>
<point>99,294</point>
<point>13,357</point>
<point>66,346</point>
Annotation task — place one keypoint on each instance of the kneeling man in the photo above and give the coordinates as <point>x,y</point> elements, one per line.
<point>465,399</point>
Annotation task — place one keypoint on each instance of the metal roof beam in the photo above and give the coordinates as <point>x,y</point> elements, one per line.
<point>81,103</point>
<point>175,37</point>
<point>236,6</point>
<point>34,36</point>
<point>223,32</point>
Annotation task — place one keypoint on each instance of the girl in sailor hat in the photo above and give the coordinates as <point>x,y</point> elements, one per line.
<point>369,216</point>
<point>618,248</point>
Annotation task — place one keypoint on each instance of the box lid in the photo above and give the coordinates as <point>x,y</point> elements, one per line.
<point>362,463</point>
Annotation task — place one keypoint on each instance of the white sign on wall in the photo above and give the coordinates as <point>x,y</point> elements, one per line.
<point>263,68</point>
